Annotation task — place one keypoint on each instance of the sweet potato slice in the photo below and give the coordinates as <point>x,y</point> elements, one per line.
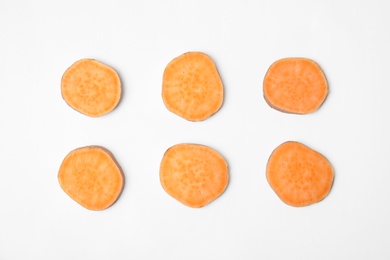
<point>193,174</point>
<point>91,177</point>
<point>295,85</point>
<point>299,175</point>
<point>91,87</point>
<point>192,87</point>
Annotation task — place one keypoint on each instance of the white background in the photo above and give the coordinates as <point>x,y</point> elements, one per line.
<point>39,40</point>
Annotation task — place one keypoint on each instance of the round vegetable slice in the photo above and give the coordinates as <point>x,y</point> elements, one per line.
<point>91,87</point>
<point>299,175</point>
<point>193,174</point>
<point>192,87</point>
<point>295,85</point>
<point>91,177</point>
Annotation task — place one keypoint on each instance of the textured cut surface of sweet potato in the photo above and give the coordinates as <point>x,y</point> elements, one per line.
<point>192,87</point>
<point>299,175</point>
<point>91,87</point>
<point>295,85</point>
<point>91,177</point>
<point>193,174</point>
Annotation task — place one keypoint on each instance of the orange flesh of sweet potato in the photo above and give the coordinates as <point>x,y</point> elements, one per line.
<point>295,85</point>
<point>91,177</point>
<point>91,87</point>
<point>299,175</point>
<point>192,88</point>
<point>195,175</point>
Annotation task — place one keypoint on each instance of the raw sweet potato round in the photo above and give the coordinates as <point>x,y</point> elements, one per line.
<point>91,87</point>
<point>193,174</point>
<point>299,175</point>
<point>295,85</point>
<point>91,177</point>
<point>192,88</point>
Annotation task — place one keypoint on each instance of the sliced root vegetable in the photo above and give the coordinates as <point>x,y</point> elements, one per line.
<point>299,175</point>
<point>91,177</point>
<point>192,87</point>
<point>91,87</point>
<point>295,85</point>
<point>193,174</point>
